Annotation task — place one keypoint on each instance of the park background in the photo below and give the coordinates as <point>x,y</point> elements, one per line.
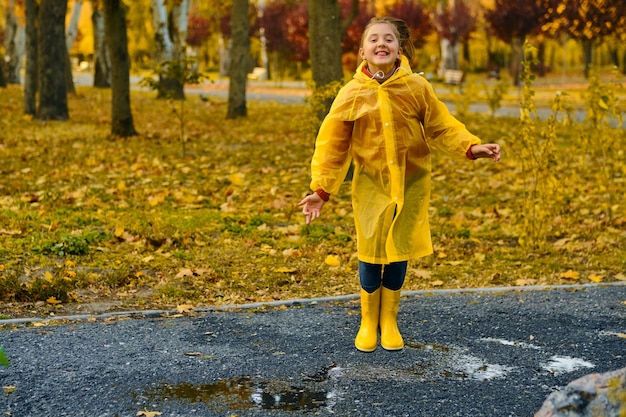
<point>196,205</point>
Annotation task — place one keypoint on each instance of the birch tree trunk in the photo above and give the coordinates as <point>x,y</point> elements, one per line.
<point>101,59</point>
<point>167,49</point>
<point>15,40</point>
<point>117,40</point>
<point>52,50</point>
<point>238,70</point>
<point>72,27</point>
<point>31,78</point>
<point>70,36</point>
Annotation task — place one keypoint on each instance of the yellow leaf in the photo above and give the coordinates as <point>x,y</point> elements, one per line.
<point>620,277</point>
<point>184,308</point>
<point>332,260</point>
<point>48,275</point>
<point>146,413</point>
<point>236,179</point>
<point>622,335</point>
<point>441,255</point>
<point>119,231</point>
<point>285,270</point>
<point>479,256</point>
<point>602,104</point>
<point>596,278</point>
<point>53,301</point>
<point>571,274</point>
<point>437,283</point>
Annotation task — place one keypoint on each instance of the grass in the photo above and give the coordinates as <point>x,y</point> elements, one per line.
<point>86,218</point>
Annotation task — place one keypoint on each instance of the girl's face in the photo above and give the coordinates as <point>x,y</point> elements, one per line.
<point>380,48</point>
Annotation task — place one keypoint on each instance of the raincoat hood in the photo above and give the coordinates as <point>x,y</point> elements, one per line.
<point>388,130</point>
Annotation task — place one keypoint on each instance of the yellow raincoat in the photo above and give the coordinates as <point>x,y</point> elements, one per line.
<point>388,130</point>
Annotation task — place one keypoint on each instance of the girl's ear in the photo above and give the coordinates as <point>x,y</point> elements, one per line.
<point>399,51</point>
<point>362,53</point>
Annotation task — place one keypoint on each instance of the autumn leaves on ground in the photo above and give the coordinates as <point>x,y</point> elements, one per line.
<point>134,223</point>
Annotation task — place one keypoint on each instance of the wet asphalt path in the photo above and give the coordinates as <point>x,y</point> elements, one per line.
<point>468,354</point>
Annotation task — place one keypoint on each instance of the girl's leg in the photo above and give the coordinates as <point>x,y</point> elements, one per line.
<point>393,279</point>
<point>370,276</point>
<point>393,275</point>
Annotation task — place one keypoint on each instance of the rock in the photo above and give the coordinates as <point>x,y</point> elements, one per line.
<point>597,395</point>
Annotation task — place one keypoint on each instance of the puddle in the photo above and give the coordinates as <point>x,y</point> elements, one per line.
<point>242,393</point>
<point>510,343</point>
<point>564,364</point>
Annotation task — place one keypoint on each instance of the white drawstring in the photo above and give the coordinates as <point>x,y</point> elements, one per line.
<point>380,74</point>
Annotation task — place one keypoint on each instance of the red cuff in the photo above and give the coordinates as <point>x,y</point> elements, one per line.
<point>469,154</point>
<point>323,194</point>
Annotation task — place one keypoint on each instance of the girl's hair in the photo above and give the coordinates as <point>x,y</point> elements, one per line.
<point>401,30</point>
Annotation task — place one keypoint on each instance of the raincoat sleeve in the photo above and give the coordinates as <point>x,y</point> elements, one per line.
<point>331,159</point>
<point>442,130</point>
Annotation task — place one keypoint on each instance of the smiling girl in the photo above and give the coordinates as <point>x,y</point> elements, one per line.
<point>386,120</point>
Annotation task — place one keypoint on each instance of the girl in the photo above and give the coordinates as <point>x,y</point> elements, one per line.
<point>386,120</point>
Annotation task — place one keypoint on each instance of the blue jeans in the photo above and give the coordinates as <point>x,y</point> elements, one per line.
<point>391,276</point>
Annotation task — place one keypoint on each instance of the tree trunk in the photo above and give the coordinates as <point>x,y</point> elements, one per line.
<point>117,40</point>
<point>72,27</point>
<point>52,52</point>
<point>166,51</point>
<point>15,39</point>
<point>238,70</point>
<point>101,60</point>
<point>587,55</point>
<point>3,81</point>
<point>325,45</point>
<point>516,59</point>
<point>70,36</point>
<point>31,79</point>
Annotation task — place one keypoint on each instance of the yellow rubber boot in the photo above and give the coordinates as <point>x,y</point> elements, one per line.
<point>367,338</point>
<point>390,337</point>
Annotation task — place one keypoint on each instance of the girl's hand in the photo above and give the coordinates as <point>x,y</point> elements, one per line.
<point>487,150</point>
<point>311,206</point>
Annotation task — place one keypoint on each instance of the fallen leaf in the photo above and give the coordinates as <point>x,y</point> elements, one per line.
<point>622,335</point>
<point>437,283</point>
<point>52,300</point>
<point>620,277</point>
<point>185,308</point>
<point>421,273</point>
<point>186,272</point>
<point>146,413</point>
<point>292,252</point>
<point>193,353</point>
<point>571,274</point>
<point>285,270</point>
<point>332,260</point>
<point>596,278</point>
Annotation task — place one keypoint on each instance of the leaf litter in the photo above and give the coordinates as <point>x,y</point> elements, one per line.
<point>144,227</point>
